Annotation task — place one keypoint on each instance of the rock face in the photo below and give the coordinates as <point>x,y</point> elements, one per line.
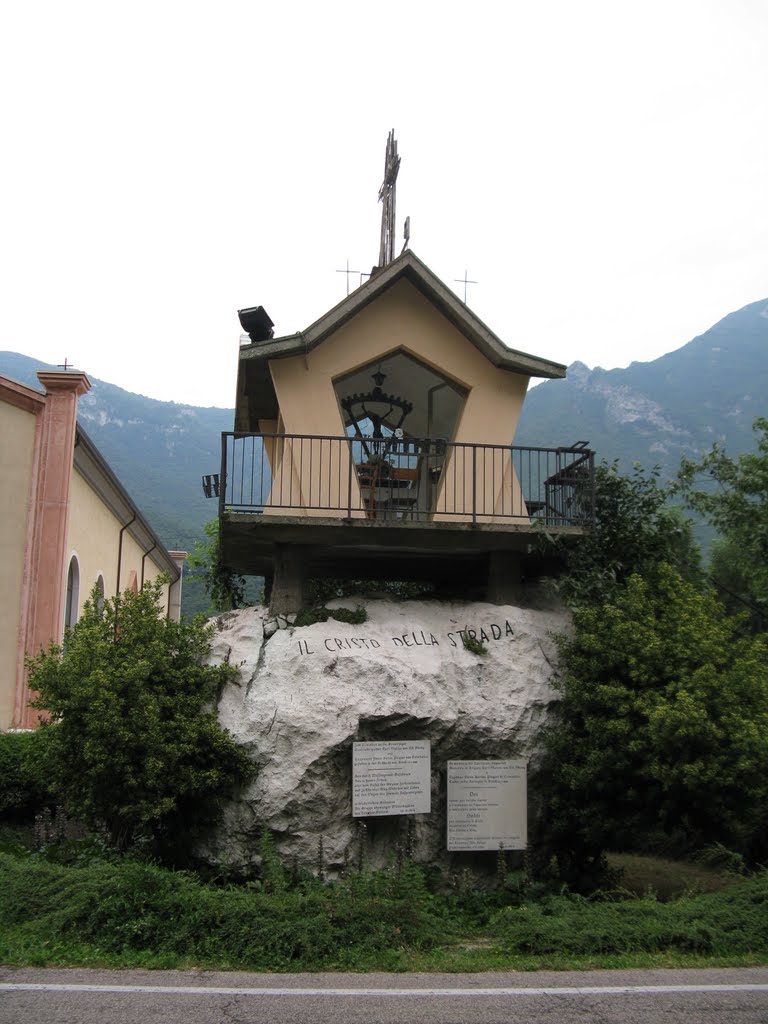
<point>306,694</point>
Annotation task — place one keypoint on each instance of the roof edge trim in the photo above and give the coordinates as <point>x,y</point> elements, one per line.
<point>408,266</point>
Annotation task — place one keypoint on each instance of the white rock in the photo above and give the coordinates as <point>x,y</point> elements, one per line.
<point>306,694</point>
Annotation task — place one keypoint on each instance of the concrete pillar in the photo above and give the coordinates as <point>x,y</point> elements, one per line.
<point>288,584</point>
<point>504,579</point>
<point>45,560</point>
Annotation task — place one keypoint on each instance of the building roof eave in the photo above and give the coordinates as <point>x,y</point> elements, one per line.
<point>408,266</point>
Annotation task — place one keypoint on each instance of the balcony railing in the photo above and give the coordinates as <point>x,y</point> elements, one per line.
<point>416,479</point>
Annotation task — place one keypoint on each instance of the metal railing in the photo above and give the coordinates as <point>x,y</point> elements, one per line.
<point>423,479</point>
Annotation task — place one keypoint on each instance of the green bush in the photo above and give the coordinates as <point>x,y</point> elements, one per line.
<point>728,922</point>
<point>132,906</point>
<point>732,495</point>
<point>319,591</point>
<point>135,912</point>
<point>309,616</point>
<point>225,588</point>
<point>662,730</point>
<point>635,529</point>
<point>134,742</point>
<point>472,644</point>
<point>24,788</point>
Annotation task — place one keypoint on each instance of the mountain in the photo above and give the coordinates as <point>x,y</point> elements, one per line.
<point>654,413</point>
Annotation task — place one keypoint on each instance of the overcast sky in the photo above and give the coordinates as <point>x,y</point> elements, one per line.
<point>599,167</point>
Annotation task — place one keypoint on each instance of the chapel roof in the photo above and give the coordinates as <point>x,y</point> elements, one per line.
<point>407,266</point>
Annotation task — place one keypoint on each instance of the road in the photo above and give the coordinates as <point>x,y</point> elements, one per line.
<point>58,996</point>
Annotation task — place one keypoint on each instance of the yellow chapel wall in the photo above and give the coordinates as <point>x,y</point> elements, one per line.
<point>94,538</point>
<point>401,318</point>
<point>17,434</point>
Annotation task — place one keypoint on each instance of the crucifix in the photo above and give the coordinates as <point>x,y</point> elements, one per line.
<point>465,281</point>
<point>348,272</point>
<point>387,197</point>
<point>65,365</point>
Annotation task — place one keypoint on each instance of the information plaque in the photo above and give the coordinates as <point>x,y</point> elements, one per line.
<point>487,805</point>
<point>390,778</point>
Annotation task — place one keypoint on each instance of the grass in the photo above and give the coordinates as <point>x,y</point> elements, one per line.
<point>666,879</point>
<point>125,913</point>
<point>732,922</point>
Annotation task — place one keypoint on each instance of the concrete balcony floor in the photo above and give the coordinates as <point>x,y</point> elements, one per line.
<point>341,548</point>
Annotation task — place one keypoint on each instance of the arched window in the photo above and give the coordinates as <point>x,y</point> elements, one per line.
<point>399,413</point>
<point>100,593</point>
<point>73,593</point>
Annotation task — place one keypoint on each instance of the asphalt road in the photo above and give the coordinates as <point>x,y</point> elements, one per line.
<point>29,996</point>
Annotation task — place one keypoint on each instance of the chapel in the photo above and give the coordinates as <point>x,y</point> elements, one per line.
<point>378,444</point>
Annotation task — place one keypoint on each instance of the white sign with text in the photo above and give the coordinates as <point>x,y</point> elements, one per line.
<point>487,805</point>
<point>390,778</point>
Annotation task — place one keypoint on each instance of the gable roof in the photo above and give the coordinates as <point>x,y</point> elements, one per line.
<point>408,266</point>
<point>253,364</point>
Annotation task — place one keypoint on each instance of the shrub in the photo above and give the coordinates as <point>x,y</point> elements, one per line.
<point>728,922</point>
<point>134,741</point>
<point>663,726</point>
<point>309,616</point>
<point>732,495</point>
<point>131,906</point>
<point>225,588</point>
<point>24,788</point>
<point>635,529</point>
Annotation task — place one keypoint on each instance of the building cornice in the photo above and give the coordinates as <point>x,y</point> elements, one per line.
<point>74,381</point>
<point>23,397</point>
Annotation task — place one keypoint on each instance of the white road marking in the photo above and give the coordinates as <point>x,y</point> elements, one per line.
<point>401,993</point>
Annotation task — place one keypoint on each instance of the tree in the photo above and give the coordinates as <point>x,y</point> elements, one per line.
<point>733,578</point>
<point>661,738</point>
<point>133,740</point>
<point>225,588</point>
<point>635,529</point>
<point>732,495</point>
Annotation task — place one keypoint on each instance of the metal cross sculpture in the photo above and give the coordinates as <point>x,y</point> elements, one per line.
<point>348,272</point>
<point>465,281</point>
<point>387,197</point>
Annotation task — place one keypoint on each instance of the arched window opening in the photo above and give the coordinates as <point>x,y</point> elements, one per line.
<point>399,413</point>
<point>73,593</point>
<point>100,594</point>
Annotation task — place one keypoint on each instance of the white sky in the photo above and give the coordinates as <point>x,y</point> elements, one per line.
<point>600,167</point>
